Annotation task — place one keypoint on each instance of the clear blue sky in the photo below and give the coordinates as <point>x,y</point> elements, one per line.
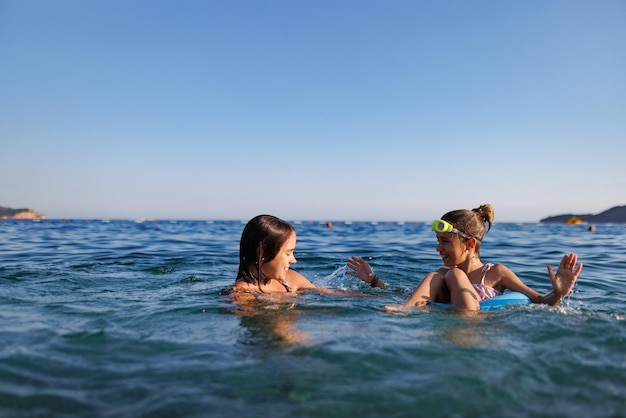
<point>312,110</point>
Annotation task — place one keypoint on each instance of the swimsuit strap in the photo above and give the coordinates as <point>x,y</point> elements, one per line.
<point>232,289</point>
<point>284,283</point>
<point>484,271</point>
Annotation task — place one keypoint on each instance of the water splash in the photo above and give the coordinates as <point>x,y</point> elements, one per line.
<point>339,279</point>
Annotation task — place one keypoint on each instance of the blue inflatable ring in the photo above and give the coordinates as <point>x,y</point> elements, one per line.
<point>496,303</point>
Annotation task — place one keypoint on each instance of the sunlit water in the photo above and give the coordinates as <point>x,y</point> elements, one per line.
<point>124,319</point>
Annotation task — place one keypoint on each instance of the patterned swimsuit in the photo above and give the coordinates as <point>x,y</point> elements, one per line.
<point>485,292</point>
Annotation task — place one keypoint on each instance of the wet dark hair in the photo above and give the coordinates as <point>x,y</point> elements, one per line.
<point>472,222</point>
<point>261,239</point>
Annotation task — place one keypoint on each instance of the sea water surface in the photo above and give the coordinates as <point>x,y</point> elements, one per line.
<point>125,319</point>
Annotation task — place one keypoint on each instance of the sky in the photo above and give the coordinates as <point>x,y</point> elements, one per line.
<point>312,110</point>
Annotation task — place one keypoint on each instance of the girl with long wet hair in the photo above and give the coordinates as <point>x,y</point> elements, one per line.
<point>266,253</point>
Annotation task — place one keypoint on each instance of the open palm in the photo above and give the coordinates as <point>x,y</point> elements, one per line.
<point>566,275</point>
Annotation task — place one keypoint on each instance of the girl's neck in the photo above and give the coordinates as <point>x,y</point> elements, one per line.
<point>471,264</point>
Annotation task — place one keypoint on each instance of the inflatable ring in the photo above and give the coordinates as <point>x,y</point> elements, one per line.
<point>496,303</point>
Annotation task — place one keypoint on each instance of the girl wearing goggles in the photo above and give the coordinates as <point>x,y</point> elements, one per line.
<point>465,280</point>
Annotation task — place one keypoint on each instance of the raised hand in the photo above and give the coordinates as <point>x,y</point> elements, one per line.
<point>566,275</point>
<point>361,269</point>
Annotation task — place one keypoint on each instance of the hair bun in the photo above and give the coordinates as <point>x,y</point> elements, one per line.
<point>486,213</point>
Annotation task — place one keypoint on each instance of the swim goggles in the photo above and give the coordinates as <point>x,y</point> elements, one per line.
<point>439,225</point>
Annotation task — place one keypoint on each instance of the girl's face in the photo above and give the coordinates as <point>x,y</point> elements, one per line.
<point>451,248</point>
<point>277,267</point>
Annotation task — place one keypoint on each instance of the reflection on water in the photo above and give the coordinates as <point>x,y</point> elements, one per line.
<point>269,320</point>
<point>468,331</point>
<point>275,326</point>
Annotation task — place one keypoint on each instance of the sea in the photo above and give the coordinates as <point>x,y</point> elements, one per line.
<point>113,318</point>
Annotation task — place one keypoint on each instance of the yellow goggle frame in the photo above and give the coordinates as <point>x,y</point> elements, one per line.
<point>439,225</point>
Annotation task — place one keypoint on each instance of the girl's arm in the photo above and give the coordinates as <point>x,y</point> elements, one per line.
<point>429,289</point>
<point>510,281</point>
<point>562,282</point>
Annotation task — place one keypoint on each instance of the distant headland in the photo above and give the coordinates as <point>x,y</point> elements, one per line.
<point>616,214</point>
<point>8,213</point>
<point>613,215</point>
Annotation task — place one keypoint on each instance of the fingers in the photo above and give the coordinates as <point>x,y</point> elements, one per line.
<point>569,262</point>
<point>396,309</point>
<point>356,262</point>
<point>353,263</point>
<point>578,269</point>
<point>572,259</point>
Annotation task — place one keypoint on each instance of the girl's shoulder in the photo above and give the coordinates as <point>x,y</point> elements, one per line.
<point>442,270</point>
<point>297,281</point>
<point>500,276</point>
<point>497,268</point>
<point>241,285</point>
<point>239,292</point>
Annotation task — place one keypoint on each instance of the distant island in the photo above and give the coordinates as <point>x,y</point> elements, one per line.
<point>613,215</point>
<point>616,214</point>
<point>9,213</point>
